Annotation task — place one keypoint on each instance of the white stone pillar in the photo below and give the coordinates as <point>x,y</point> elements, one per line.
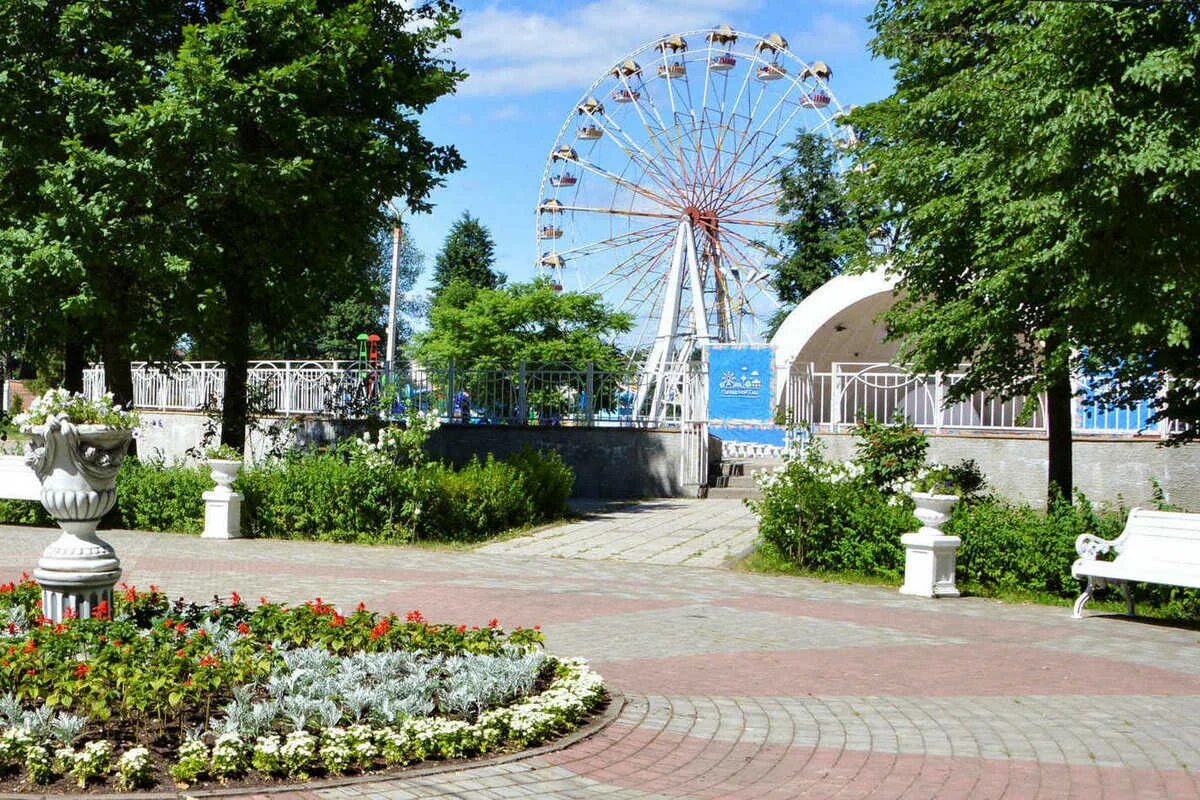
<point>222,505</point>
<point>929,555</point>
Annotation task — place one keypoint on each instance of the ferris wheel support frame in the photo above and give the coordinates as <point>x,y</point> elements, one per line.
<point>670,345</point>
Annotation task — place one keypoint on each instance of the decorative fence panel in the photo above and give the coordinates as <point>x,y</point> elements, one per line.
<point>527,395</point>
<point>834,400</point>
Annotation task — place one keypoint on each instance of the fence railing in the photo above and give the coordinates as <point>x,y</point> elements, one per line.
<point>526,395</point>
<point>834,400</point>
<point>537,395</point>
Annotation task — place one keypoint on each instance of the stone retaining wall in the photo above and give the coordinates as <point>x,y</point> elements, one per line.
<point>1106,470</point>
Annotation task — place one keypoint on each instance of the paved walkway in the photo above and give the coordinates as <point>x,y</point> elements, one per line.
<point>696,533</point>
<point>751,686</point>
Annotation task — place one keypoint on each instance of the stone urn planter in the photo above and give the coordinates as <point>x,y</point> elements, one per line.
<point>222,505</point>
<point>929,555</point>
<point>77,467</point>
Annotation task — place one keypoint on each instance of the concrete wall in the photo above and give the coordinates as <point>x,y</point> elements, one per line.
<point>608,462</point>
<point>1106,470</point>
<point>170,434</point>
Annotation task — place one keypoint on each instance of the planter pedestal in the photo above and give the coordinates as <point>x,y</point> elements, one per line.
<point>929,555</point>
<point>77,466</point>
<point>222,505</point>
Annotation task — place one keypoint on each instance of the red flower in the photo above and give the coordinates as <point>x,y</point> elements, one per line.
<point>70,613</point>
<point>101,610</point>
<point>262,601</point>
<point>168,623</point>
<point>31,672</point>
<point>210,660</point>
<point>181,627</point>
<point>361,606</point>
<point>82,669</point>
<point>381,629</point>
<point>493,623</point>
<point>461,629</point>
<point>337,621</point>
<point>30,646</point>
<point>179,653</point>
<point>415,616</point>
<point>235,599</point>
<point>243,629</point>
<point>131,594</point>
<point>116,642</point>
<point>5,588</point>
<point>537,627</point>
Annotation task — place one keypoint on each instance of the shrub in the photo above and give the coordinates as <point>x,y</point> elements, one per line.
<point>365,491</point>
<point>548,480</point>
<point>1009,547</point>
<point>324,496</point>
<point>889,454</point>
<point>827,517</point>
<point>23,512</point>
<point>482,499</point>
<point>154,497</point>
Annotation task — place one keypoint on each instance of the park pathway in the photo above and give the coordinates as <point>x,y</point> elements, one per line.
<point>750,686</point>
<point>698,533</point>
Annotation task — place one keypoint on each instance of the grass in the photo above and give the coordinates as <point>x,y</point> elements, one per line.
<point>771,563</point>
<point>1108,601</point>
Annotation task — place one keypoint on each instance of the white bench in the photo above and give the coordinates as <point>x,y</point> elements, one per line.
<point>17,481</point>
<point>1155,547</point>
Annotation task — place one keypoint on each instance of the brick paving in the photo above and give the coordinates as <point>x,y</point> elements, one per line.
<point>752,686</point>
<point>700,534</point>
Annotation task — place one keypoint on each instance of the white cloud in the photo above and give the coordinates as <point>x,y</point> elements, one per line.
<point>506,112</point>
<point>511,53</point>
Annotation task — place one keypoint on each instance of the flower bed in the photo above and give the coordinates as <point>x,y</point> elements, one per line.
<point>152,694</point>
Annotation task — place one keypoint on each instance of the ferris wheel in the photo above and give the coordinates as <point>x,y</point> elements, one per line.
<point>662,188</point>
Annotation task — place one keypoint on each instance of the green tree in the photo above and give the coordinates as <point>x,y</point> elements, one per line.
<point>499,328</point>
<point>468,254</point>
<point>348,309</point>
<point>295,122</point>
<point>84,256</point>
<point>1036,159</point>
<point>815,222</point>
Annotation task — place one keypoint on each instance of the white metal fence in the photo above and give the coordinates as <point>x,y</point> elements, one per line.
<point>834,400</point>
<point>527,395</point>
<point>828,401</point>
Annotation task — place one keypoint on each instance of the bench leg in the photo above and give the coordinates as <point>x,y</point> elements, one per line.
<point>1125,590</point>
<point>1077,613</point>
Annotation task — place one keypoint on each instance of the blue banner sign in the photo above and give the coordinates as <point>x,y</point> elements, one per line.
<point>741,383</point>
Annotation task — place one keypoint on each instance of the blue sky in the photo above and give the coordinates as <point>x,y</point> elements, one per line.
<point>530,62</point>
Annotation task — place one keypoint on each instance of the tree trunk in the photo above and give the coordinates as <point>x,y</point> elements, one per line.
<point>73,362</point>
<point>118,374</point>
<point>234,411</point>
<point>1058,429</point>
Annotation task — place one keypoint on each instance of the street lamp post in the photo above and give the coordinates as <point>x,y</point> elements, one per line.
<point>391,322</point>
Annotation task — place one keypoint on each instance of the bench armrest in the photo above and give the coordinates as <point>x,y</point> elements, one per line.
<point>1089,546</point>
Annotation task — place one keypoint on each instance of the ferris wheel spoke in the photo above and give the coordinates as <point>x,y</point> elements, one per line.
<point>655,134</point>
<point>666,182</point>
<point>623,183</point>
<point>623,212</point>
<point>648,255</point>
<point>619,240</point>
<point>761,172</point>
<point>758,223</point>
